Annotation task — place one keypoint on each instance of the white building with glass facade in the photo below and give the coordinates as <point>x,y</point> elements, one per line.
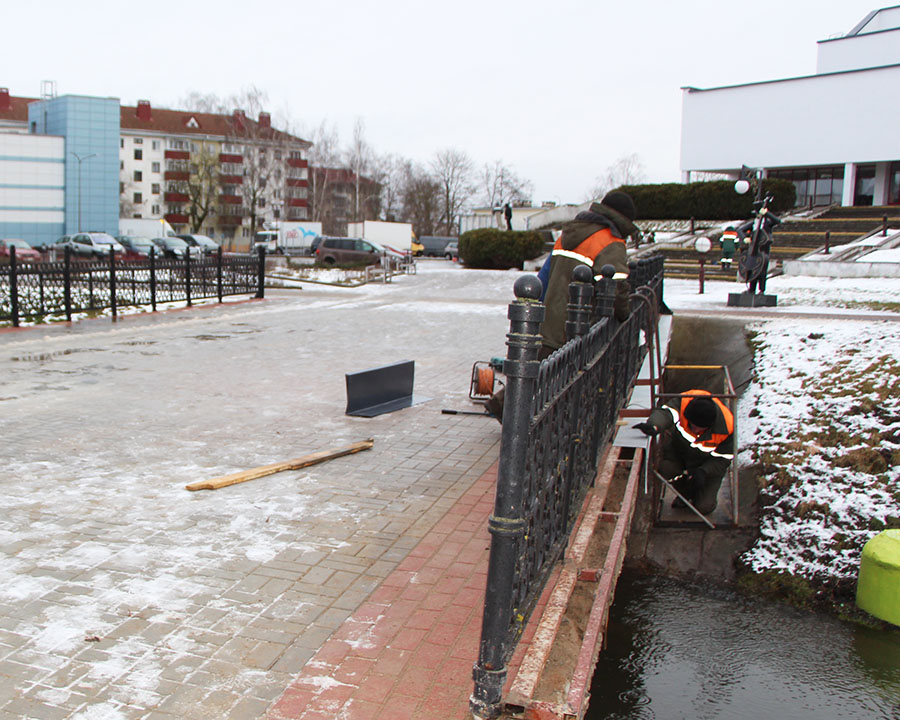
<point>833,133</point>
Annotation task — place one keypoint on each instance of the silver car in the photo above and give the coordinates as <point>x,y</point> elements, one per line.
<point>90,244</point>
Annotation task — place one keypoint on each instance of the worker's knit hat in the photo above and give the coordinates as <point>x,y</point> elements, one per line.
<point>620,202</point>
<point>701,412</point>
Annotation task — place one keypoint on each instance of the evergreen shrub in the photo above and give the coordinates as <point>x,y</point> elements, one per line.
<point>495,249</point>
<point>715,200</point>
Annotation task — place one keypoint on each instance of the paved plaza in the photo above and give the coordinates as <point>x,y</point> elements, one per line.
<point>123,595</point>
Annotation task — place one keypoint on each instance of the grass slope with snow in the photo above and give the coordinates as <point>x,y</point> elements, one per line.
<point>822,420</point>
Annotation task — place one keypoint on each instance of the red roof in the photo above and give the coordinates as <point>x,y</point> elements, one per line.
<point>185,122</point>
<point>17,110</point>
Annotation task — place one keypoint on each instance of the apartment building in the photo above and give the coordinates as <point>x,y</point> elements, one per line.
<point>223,175</point>
<point>220,175</point>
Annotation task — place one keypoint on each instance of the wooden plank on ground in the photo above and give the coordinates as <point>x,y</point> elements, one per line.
<point>295,464</point>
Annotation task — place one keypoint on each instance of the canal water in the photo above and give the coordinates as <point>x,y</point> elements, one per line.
<point>677,650</point>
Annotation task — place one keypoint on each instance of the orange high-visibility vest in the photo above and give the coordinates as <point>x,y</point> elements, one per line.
<point>590,248</point>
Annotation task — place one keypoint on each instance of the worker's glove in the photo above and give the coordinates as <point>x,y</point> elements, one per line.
<point>648,429</point>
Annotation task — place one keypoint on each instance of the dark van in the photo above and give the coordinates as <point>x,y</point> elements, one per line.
<point>348,251</point>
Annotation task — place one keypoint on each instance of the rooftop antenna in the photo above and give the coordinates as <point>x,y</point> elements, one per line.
<point>48,89</point>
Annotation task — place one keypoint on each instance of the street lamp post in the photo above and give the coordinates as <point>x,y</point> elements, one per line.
<point>80,159</point>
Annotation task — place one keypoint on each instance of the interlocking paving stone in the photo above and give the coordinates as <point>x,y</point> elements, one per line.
<point>99,537</point>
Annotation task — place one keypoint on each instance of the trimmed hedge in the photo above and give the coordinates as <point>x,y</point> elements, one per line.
<point>715,200</point>
<point>494,249</point>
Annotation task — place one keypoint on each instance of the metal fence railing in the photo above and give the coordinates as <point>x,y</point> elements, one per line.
<point>559,415</point>
<point>34,290</point>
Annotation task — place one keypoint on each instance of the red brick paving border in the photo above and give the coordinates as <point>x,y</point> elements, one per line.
<point>408,651</point>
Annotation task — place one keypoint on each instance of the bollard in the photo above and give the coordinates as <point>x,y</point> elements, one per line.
<point>884,226</point>
<point>702,273</point>
<point>827,242</point>
<point>605,293</point>
<point>506,524</point>
<point>692,225</point>
<point>578,310</point>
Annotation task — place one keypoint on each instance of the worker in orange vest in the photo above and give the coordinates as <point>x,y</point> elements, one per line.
<point>596,237</point>
<point>700,448</point>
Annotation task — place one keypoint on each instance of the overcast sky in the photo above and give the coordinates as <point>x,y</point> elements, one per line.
<point>556,90</point>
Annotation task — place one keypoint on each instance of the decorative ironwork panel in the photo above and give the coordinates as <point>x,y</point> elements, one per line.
<point>40,288</point>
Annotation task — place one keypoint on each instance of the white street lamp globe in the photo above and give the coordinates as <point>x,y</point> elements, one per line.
<point>702,245</point>
<point>741,186</point>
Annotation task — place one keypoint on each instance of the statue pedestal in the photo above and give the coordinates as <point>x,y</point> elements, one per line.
<point>746,299</point>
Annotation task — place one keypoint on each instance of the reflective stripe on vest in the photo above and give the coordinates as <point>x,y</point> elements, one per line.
<point>710,444</point>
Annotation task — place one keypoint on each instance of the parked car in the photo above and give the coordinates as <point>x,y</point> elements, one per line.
<point>207,245</point>
<point>138,246</point>
<point>314,244</point>
<point>340,251</point>
<point>451,252</point>
<point>416,248</point>
<point>175,247</point>
<point>90,244</point>
<point>24,251</point>
<point>434,244</point>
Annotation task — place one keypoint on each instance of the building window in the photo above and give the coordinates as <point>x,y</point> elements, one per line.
<point>138,176</point>
<point>121,164</point>
<point>139,141</point>
<point>121,188</point>
<point>864,191</point>
<point>155,144</point>
<point>138,154</point>
<point>894,184</point>
<point>138,198</point>
<point>820,186</point>
<point>176,144</point>
<point>154,210</point>
<point>121,142</point>
<point>155,167</point>
<point>154,188</point>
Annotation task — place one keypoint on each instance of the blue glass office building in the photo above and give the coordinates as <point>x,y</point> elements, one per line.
<point>90,128</point>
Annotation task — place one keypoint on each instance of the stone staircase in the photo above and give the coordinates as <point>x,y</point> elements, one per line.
<point>793,238</point>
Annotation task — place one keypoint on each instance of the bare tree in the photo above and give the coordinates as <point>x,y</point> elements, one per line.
<point>499,184</point>
<point>127,206</point>
<point>627,170</point>
<point>324,154</point>
<point>421,196</point>
<point>264,152</point>
<point>202,186</point>
<point>452,170</point>
<point>360,160</point>
<point>387,172</point>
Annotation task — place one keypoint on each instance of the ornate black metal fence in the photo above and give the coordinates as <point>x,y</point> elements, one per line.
<point>559,415</point>
<point>35,290</point>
